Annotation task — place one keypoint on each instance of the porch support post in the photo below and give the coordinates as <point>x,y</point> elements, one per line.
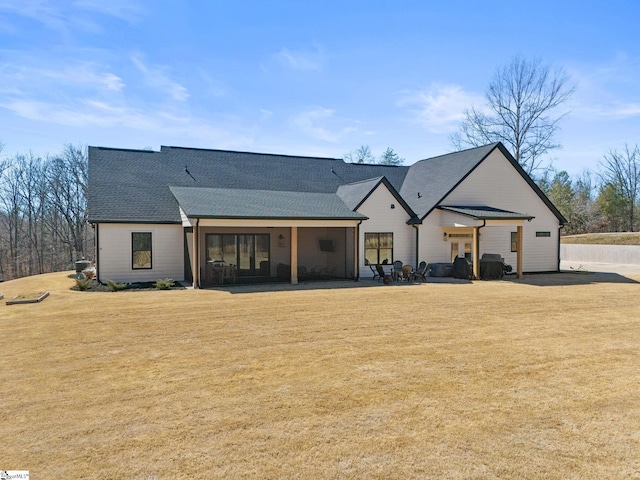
<point>476,253</point>
<point>195,260</point>
<point>294,255</point>
<point>356,252</point>
<point>519,253</point>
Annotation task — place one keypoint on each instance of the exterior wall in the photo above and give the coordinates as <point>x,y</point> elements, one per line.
<point>115,252</point>
<point>497,184</point>
<point>383,219</point>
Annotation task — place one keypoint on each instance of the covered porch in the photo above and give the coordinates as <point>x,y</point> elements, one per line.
<point>254,251</point>
<point>470,220</point>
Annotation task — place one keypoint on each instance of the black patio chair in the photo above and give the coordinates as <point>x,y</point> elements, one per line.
<point>375,272</point>
<point>421,272</point>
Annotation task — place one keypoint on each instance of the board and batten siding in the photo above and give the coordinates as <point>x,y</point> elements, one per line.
<point>384,219</point>
<point>496,183</point>
<point>116,257</point>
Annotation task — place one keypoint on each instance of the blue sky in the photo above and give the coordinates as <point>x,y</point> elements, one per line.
<point>304,77</point>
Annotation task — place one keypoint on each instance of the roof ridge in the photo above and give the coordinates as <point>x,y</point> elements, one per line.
<point>363,181</point>
<point>137,150</point>
<point>172,147</point>
<point>492,145</point>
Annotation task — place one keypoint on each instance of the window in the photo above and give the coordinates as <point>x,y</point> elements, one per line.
<point>514,241</point>
<point>543,234</point>
<point>378,248</point>
<point>141,250</point>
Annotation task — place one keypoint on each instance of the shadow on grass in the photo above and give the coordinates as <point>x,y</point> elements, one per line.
<point>564,278</point>
<point>327,285</point>
<point>535,279</point>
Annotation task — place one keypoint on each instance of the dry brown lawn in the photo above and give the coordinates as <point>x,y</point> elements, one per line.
<point>538,378</point>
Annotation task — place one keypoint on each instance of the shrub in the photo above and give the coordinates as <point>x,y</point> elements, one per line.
<point>89,274</point>
<point>116,286</point>
<point>164,284</point>
<point>83,283</point>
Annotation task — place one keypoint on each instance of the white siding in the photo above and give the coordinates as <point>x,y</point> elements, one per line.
<point>383,219</point>
<point>496,183</point>
<point>115,252</point>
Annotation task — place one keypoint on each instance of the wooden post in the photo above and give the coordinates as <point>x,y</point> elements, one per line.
<point>294,255</point>
<point>519,253</point>
<point>476,253</point>
<point>196,257</point>
<point>356,252</point>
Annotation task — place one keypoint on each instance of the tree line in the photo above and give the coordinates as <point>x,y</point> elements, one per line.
<point>43,213</point>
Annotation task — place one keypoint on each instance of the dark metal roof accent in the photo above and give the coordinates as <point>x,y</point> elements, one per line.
<point>482,212</point>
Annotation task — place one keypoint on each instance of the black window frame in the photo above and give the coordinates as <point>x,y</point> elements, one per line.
<point>377,248</point>
<point>514,241</point>
<point>135,248</point>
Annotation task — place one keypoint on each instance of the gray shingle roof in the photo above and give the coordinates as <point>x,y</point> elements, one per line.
<point>429,181</point>
<point>352,194</point>
<point>133,185</point>
<point>242,203</point>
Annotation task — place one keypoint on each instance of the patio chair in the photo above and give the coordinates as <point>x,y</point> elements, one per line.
<point>421,271</point>
<point>375,272</point>
<point>397,269</point>
<point>385,272</point>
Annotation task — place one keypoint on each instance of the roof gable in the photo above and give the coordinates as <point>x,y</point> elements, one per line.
<point>429,181</point>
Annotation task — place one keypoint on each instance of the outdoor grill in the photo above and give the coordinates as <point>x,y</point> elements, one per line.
<point>492,266</point>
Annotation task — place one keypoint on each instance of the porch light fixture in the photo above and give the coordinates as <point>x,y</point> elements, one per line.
<point>444,236</point>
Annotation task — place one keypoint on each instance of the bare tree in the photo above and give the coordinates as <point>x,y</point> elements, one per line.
<point>12,205</point>
<point>361,155</point>
<point>621,170</point>
<point>521,112</point>
<point>68,195</point>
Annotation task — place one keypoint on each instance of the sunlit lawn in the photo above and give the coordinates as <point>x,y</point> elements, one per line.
<point>537,378</point>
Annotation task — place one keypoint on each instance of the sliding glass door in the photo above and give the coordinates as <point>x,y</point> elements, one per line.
<point>249,253</point>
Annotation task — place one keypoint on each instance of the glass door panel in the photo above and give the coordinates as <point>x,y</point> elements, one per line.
<point>246,254</point>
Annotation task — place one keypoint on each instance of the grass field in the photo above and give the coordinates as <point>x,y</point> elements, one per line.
<point>625,238</point>
<point>527,379</point>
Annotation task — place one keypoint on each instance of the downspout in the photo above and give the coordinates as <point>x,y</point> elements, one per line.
<point>97,242</point>
<point>196,254</point>
<point>417,243</point>
<point>559,229</point>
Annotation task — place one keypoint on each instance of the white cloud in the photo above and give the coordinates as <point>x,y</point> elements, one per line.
<point>156,76</point>
<point>88,113</point>
<point>64,16</point>
<point>322,124</point>
<point>440,108</point>
<point>607,91</point>
<point>305,60</point>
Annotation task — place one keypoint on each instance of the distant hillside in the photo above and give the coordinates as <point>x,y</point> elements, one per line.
<point>624,238</point>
